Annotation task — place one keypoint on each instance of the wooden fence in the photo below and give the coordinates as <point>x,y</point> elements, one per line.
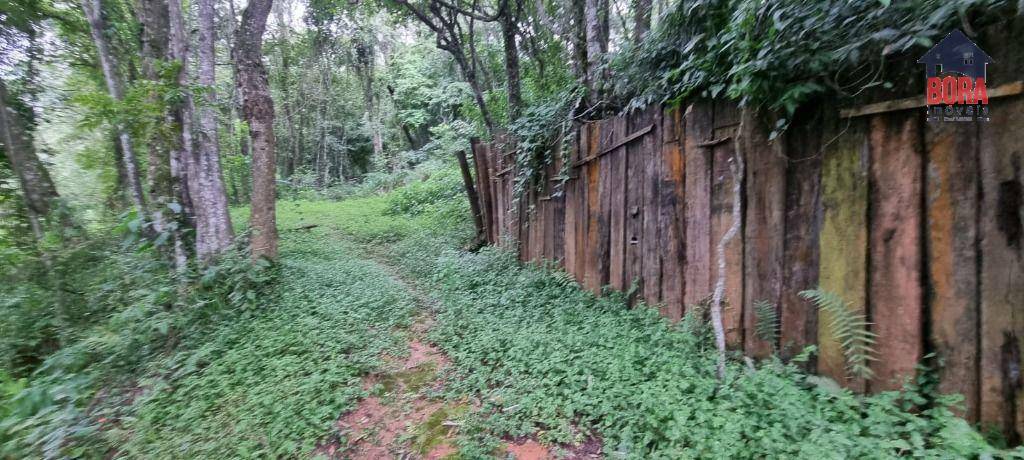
<point>918,225</point>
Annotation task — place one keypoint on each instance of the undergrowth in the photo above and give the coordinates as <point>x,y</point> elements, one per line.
<point>546,358</point>
<point>204,376</point>
<point>234,361</point>
<point>272,386</point>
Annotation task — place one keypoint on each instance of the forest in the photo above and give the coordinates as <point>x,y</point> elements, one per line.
<point>529,229</point>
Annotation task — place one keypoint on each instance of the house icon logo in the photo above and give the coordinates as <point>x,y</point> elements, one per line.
<point>956,70</point>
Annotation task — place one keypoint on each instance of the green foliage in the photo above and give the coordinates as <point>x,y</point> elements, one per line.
<point>421,196</point>
<point>777,54</point>
<point>271,386</point>
<point>541,130</point>
<point>547,358</point>
<point>849,329</point>
<point>85,318</point>
<point>767,327</point>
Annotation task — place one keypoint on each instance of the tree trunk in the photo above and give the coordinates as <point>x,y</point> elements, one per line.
<point>642,20</point>
<point>213,223</point>
<point>108,64</point>
<point>579,42</point>
<point>597,46</point>
<point>37,188</point>
<point>154,16</point>
<point>258,110</point>
<point>181,154</point>
<point>508,32</point>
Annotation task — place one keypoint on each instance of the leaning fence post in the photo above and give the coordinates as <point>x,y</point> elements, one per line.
<point>474,200</point>
<point>483,177</point>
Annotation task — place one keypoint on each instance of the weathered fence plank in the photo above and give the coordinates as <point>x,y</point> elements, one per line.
<point>617,203</point>
<point>606,137</point>
<point>843,244</point>
<point>498,178</point>
<point>764,229</point>
<point>670,213</point>
<point>593,277</point>
<point>571,210</point>
<point>558,207</point>
<point>951,197</point>
<point>582,212</point>
<point>722,188</point>
<point>697,211</point>
<point>636,161</point>
<point>1001,235</point>
<point>895,290</point>
<point>800,251</point>
<point>480,153</point>
<point>651,264</point>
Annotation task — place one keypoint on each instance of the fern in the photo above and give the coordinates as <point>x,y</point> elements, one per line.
<point>851,330</point>
<point>767,327</point>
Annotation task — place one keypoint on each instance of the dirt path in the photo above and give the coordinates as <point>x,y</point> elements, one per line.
<point>405,417</point>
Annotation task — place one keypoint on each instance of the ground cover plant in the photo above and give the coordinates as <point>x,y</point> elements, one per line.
<point>553,361</point>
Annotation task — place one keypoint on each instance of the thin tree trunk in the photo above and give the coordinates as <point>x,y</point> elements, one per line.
<point>642,20</point>
<point>508,32</point>
<point>37,188</point>
<point>258,109</point>
<point>108,64</point>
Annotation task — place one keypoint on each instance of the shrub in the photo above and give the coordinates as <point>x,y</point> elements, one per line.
<point>420,196</point>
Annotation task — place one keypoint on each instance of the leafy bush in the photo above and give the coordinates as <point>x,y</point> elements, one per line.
<point>421,196</point>
<point>777,54</point>
<point>547,356</point>
<point>83,321</point>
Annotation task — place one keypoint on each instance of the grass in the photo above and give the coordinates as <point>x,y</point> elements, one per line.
<point>273,384</point>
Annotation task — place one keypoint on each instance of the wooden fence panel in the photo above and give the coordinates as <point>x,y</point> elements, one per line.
<point>582,214</point>
<point>895,290</point>
<point>764,229</point>
<point>606,137</point>
<point>843,244</point>
<point>493,169</point>
<point>697,211</point>
<point>496,164</point>
<point>480,153</point>
<point>918,229</point>
<point>1002,268</point>
<point>571,209</point>
<point>617,193</point>
<point>722,188</point>
<point>800,250</point>
<point>592,278</point>
<point>651,264</point>
<point>951,198</point>
<point>636,159</point>
<point>670,214</point>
